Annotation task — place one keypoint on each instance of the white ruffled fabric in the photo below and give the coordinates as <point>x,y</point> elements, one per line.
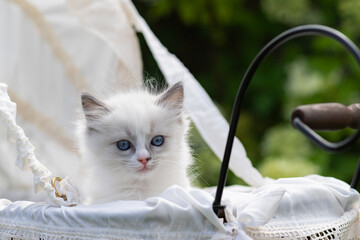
<point>293,201</point>
<point>309,205</point>
<point>35,74</point>
<point>26,159</point>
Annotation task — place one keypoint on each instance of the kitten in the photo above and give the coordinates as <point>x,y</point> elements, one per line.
<point>134,144</point>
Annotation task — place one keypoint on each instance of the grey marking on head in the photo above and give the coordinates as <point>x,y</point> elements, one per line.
<point>91,130</point>
<point>173,98</point>
<point>93,107</point>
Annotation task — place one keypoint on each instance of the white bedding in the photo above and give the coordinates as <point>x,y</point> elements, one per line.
<point>181,214</point>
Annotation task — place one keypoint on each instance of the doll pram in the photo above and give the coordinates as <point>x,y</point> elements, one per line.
<point>261,213</point>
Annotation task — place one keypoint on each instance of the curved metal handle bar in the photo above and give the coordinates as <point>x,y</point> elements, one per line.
<point>323,143</point>
<point>272,45</point>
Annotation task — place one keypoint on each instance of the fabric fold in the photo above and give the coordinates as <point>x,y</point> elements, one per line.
<point>290,207</point>
<point>26,159</point>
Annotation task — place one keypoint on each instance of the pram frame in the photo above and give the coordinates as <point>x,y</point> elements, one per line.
<point>282,38</point>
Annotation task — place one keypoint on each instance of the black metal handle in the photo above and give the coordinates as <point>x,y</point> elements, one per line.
<point>323,143</point>
<point>273,44</point>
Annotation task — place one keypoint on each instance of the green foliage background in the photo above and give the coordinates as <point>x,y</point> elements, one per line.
<point>217,40</point>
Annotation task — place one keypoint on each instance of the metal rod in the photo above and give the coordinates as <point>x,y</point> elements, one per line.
<point>321,142</point>
<point>272,45</point>
<point>356,176</point>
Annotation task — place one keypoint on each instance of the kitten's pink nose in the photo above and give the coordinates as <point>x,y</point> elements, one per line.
<point>144,160</point>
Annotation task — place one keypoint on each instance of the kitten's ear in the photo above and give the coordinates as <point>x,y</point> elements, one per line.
<point>173,98</point>
<point>93,107</point>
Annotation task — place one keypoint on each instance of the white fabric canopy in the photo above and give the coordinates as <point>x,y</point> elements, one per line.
<point>46,59</point>
<point>49,55</point>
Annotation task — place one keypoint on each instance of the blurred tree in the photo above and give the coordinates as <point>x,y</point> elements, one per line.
<point>218,39</point>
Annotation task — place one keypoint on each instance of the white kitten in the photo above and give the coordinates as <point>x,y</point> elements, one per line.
<point>134,144</point>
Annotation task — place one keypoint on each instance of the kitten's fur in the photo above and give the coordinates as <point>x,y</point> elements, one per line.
<point>137,116</point>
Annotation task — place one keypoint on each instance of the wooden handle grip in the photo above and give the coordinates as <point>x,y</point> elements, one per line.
<point>328,116</point>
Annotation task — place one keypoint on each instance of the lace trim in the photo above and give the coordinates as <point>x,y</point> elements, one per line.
<point>345,228</point>
<point>26,231</point>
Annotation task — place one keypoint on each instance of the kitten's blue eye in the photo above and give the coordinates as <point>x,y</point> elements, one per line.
<point>123,145</point>
<point>157,141</point>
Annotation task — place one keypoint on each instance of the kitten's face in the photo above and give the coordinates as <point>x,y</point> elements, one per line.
<point>136,134</point>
